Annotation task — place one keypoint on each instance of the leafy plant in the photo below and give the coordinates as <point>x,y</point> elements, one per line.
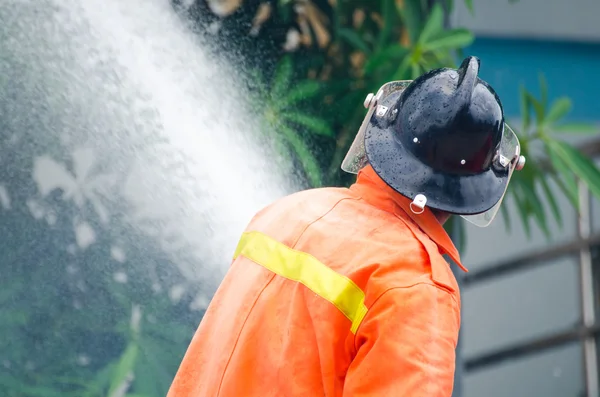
<point>564,164</point>
<point>398,41</point>
<point>431,42</point>
<point>377,42</point>
<point>279,105</point>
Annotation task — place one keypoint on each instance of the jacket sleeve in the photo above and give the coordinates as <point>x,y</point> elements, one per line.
<point>406,345</point>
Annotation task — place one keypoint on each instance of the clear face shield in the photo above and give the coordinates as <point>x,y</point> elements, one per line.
<point>356,158</point>
<point>508,157</point>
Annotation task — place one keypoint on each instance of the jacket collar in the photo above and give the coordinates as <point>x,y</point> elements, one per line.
<point>379,194</point>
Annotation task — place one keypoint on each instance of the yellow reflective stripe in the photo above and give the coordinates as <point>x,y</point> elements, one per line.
<point>306,269</point>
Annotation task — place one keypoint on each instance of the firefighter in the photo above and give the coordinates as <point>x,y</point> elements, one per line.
<point>343,292</point>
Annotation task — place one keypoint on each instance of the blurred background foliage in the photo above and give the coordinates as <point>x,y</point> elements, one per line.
<point>336,52</point>
<point>310,65</point>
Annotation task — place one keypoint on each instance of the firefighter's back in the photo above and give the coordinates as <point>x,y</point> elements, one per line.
<point>283,321</point>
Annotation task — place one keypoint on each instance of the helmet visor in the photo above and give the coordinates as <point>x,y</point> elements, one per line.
<point>506,158</point>
<point>356,158</point>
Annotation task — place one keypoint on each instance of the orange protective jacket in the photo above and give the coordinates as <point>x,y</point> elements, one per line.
<point>332,292</point>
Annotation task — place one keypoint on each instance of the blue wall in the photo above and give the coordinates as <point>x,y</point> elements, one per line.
<point>571,69</point>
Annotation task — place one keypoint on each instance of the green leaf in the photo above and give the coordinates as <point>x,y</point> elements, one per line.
<point>558,110</point>
<point>412,17</point>
<point>256,83</point>
<point>543,90</point>
<point>433,25</point>
<point>319,126</point>
<point>354,39</point>
<point>305,156</point>
<point>469,4</point>
<point>564,184</point>
<point>152,375</point>
<point>392,53</point>
<point>282,147</point>
<point>580,165</point>
<point>10,383</point>
<point>415,70</point>
<point>387,10</point>
<point>171,333</point>
<point>302,90</point>
<point>124,367</point>
<point>551,200</point>
<point>575,128</point>
<point>401,72</point>
<point>535,204</point>
<point>523,208</point>
<point>525,105</point>
<point>526,183</point>
<point>101,380</point>
<point>282,78</point>
<point>450,39</point>
<point>429,60</point>
<point>567,183</point>
<point>537,107</point>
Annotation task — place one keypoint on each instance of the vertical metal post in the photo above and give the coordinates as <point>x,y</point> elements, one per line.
<point>458,370</point>
<point>586,278</point>
<point>458,274</point>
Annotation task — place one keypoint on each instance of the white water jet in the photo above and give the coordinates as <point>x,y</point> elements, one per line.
<point>151,120</point>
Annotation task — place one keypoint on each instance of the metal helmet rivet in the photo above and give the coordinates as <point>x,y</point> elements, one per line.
<point>520,163</point>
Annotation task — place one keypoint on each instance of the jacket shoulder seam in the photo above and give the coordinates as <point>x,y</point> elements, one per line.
<point>308,225</point>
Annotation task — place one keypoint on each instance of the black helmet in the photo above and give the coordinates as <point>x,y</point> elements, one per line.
<point>440,139</point>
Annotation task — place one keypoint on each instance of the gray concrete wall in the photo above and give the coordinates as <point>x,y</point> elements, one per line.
<point>557,19</point>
